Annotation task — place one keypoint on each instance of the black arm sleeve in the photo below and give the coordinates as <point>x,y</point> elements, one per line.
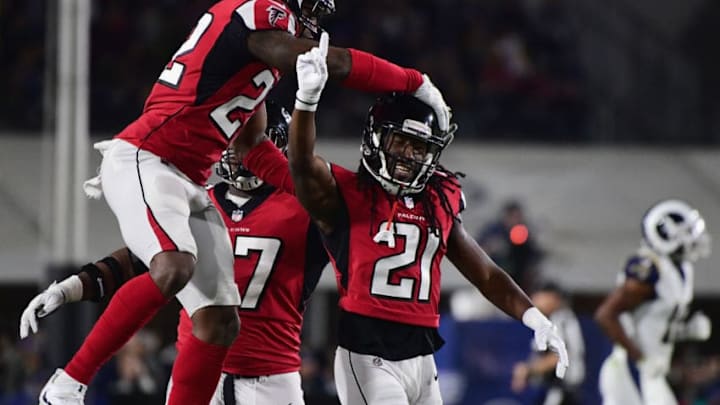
<point>102,278</point>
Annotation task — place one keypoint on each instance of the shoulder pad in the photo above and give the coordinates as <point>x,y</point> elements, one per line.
<point>642,269</point>
<point>260,15</point>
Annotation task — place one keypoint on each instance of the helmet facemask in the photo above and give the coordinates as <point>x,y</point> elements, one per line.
<point>697,242</point>
<point>402,158</point>
<point>235,174</point>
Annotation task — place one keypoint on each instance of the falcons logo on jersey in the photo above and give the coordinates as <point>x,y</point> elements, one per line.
<point>276,14</point>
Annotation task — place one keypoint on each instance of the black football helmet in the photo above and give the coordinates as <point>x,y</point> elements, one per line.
<point>231,171</point>
<point>278,124</point>
<point>403,115</point>
<point>314,11</point>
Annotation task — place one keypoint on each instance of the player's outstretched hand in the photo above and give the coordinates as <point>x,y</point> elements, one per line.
<point>430,95</point>
<point>547,337</point>
<point>47,302</point>
<point>312,73</point>
<point>42,305</point>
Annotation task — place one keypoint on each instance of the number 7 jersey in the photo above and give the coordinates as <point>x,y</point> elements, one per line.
<point>210,88</point>
<point>278,261</point>
<point>400,284</point>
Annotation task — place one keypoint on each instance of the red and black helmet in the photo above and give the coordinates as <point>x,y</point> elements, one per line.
<point>231,171</point>
<point>405,115</point>
<point>309,12</point>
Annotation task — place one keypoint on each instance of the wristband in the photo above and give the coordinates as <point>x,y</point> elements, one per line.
<point>534,319</point>
<point>306,102</point>
<point>305,106</point>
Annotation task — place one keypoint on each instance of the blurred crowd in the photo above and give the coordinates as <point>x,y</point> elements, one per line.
<point>138,373</point>
<point>509,68</point>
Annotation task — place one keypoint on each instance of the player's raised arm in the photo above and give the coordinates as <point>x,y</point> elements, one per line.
<point>314,183</point>
<point>93,282</point>
<point>501,290</point>
<point>356,69</point>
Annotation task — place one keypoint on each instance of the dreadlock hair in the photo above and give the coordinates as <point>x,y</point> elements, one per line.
<point>442,180</point>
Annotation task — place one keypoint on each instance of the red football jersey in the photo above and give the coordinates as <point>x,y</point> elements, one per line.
<point>400,284</point>
<point>278,261</point>
<point>210,88</point>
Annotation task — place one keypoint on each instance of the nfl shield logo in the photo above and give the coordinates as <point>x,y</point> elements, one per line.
<point>237,215</point>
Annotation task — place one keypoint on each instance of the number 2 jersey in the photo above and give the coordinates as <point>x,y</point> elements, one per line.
<point>389,296</point>
<point>210,88</point>
<point>278,261</point>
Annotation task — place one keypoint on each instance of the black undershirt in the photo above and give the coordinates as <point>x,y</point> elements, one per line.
<point>386,339</point>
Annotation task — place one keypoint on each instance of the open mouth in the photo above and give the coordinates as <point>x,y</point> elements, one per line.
<point>403,171</point>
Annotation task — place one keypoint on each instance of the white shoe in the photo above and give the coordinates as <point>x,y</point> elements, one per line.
<point>63,390</point>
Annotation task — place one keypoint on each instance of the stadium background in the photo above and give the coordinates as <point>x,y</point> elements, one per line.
<point>586,112</point>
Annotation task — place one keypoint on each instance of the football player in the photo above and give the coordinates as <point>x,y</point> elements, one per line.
<point>278,261</point>
<point>386,228</point>
<point>649,310</point>
<point>154,171</point>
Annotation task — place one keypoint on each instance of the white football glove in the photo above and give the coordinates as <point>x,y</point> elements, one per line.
<point>48,301</point>
<point>698,327</point>
<point>312,73</point>
<point>430,95</point>
<point>653,367</point>
<point>547,336</point>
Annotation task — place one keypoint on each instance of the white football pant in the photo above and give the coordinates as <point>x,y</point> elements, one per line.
<point>363,379</point>
<point>159,209</point>
<point>618,387</point>
<point>278,389</point>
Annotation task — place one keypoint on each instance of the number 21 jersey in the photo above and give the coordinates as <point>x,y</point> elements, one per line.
<point>400,284</point>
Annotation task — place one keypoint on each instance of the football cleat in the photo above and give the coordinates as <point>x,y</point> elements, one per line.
<point>62,389</point>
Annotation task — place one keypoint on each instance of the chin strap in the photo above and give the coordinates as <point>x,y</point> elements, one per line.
<point>386,235</point>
